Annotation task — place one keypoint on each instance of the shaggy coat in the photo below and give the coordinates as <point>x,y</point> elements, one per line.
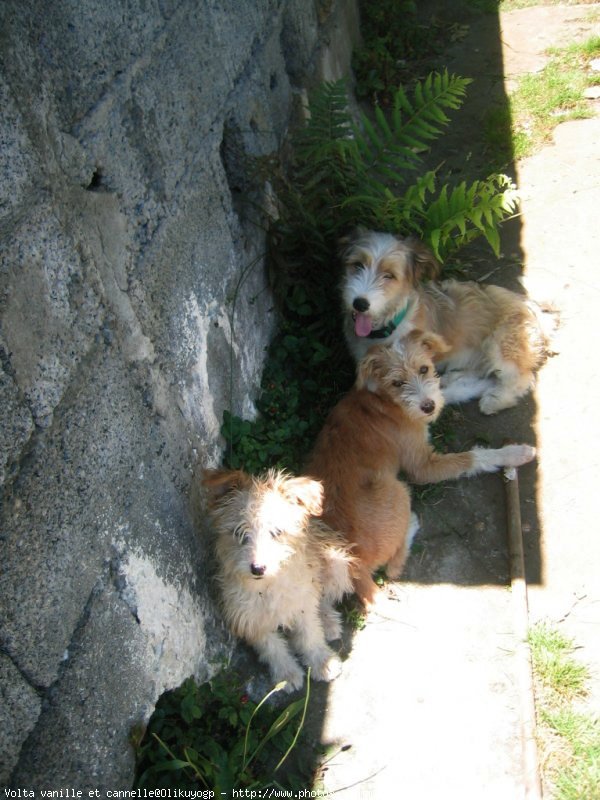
<point>495,338</point>
<point>379,429</point>
<point>279,569</point>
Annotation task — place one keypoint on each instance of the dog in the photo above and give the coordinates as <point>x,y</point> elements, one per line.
<point>279,567</point>
<point>496,338</point>
<point>378,430</point>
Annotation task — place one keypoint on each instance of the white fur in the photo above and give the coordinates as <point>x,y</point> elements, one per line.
<point>265,527</point>
<point>413,529</point>
<point>460,387</point>
<point>508,386</point>
<point>512,455</point>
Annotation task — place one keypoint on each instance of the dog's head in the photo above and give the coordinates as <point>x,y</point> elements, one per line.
<point>260,521</point>
<point>381,272</point>
<point>405,373</point>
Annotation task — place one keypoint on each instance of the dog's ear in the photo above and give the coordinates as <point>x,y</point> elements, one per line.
<point>423,264</point>
<point>435,344</point>
<point>308,493</point>
<point>368,372</point>
<point>221,481</point>
<point>349,239</point>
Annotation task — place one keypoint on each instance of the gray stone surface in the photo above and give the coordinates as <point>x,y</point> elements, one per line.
<point>134,309</point>
<point>19,710</point>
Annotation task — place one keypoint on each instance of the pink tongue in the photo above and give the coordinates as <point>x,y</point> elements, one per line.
<point>362,325</point>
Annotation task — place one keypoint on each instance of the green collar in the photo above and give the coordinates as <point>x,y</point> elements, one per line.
<point>387,330</point>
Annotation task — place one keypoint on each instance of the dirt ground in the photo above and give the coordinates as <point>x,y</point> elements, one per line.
<point>430,704</point>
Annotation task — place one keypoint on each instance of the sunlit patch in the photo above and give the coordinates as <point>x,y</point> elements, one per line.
<point>280,568</point>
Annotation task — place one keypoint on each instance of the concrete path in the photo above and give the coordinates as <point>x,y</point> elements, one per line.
<point>561,237</point>
<point>430,704</point>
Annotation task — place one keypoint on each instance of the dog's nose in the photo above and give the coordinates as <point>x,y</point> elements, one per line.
<point>361,304</point>
<point>258,569</point>
<point>428,406</point>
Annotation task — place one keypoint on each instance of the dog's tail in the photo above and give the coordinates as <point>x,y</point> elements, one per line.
<point>336,560</point>
<point>338,580</point>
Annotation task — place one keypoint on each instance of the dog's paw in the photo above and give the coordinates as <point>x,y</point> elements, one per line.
<point>327,670</point>
<point>497,400</point>
<point>515,455</point>
<point>370,596</point>
<point>512,455</point>
<point>292,677</point>
<point>332,627</point>
<point>489,404</point>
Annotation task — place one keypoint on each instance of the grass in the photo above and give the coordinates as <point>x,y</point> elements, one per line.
<point>560,675</point>
<point>542,100</point>
<point>569,739</point>
<point>578,777</point>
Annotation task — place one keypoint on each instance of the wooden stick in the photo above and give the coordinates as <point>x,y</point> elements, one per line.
<point>518,582</point>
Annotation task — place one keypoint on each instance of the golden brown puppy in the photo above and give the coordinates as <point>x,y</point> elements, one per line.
<point>496,338</point>
<point>377,430</point>
<point>279,568</point>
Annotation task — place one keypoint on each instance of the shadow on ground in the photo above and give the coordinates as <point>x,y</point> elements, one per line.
<point>463,541</point>
<point>463,538</point>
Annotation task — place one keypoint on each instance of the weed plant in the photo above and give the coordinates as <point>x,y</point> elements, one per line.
<point>213,736</point>
<point>569,739</point>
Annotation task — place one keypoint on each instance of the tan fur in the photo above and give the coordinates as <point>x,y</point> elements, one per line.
<point>279,567</point>
<point>379,429</point>
<point>492,333</point>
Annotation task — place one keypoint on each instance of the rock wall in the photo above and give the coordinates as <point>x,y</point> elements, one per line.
<point>133,310</point>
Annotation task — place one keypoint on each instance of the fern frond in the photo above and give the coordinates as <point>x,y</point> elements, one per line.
<point>327,159</point>
<point>346,173</point>
<point>382,209</point>
<point>457,216</point>
<point>328,119</point>
<point>391,146</point>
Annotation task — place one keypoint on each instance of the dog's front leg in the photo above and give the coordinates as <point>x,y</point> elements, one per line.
<point>512,455</point>
<point>436,467</point>
<point>309,639</point>
<point>332,620</point>
<point>431,467</point>
<point>272,650</point>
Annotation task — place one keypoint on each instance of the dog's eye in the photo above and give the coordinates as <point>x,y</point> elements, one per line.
<point>424,370</point>
<point>388,276</point>
<point>398,383</point>
<point>241,535</point>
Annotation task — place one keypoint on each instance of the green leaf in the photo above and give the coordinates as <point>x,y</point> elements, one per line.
<point>434,241</point>
<point>493,237</point>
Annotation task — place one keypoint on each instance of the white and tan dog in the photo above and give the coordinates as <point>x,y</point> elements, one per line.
<point>379,429</point>
<point>279,568</point>
<point>496,338</point>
